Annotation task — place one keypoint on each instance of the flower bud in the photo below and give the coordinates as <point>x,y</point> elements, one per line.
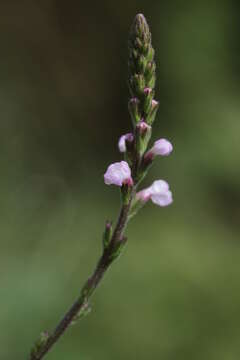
<point>107,234</point>
<point>148,97</point>
<point>142,128</point>
<point>133,107</point>
<point>143,135</point>
<point>137,84</point>
<point>147,91</point>
<point>153,112</point>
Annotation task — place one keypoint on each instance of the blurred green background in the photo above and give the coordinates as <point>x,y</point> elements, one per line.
<point>175,293</point>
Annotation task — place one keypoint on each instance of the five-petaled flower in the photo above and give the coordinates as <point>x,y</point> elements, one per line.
<point>118,174</point>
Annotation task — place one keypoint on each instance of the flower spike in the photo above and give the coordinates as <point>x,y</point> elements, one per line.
<point>125,174</point>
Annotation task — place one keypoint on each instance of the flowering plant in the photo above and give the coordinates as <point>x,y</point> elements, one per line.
<point>126,174</point>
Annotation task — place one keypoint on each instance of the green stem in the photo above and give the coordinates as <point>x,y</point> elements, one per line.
<point>91,284</point>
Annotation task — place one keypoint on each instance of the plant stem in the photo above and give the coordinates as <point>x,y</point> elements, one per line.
<point>91,284</point>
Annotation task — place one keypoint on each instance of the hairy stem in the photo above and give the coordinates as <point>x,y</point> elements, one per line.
<point>91,284</point>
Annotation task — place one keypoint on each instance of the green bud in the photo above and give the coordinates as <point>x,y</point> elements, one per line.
<point>142,64</point>
<point>150,73</point>
<point>107,235</point>
<point>150,52</point>
<point>133,107</point>
<point>152,113</point>
<point>142,69</point>
<point>148,97</point>
<point>143,135</point>
<point>137,85</point>
<point>152,82</point>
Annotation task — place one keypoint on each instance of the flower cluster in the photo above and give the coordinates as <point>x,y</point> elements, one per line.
<point>143,108</point>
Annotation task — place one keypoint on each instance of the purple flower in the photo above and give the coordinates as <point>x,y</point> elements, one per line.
<point>147,91</point>
<point>122,142</point>
<point>154,103</point>
<point>158,192</point>
<point>118,174</point>
<point>144,195</point>
<point>161,147</point>
<point>143,127</point>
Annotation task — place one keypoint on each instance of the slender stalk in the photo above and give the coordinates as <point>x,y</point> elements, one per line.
<point>125,174</point>
<point>91,284</point>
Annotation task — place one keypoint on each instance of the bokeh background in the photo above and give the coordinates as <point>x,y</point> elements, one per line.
<point>175,293</point>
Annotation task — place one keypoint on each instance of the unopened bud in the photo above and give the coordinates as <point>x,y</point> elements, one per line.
<point>150,73</point>
<point>141,57</point>
<point>126,190</point>
<point>137,84</point>
<point>133,107</point>
<point>148,97</point>
<point>143,135</point>
<point>147,91</point>
<point>107,234</point>
<point>153,112</point>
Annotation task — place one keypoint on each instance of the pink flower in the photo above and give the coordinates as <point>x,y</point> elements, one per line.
<point>118,174</point>
<point>158,192</point>
<point>161,147</point>
<point>143,127</point>
<point>122,142</point>
<point>154,103</point>
<point>147,91</point>
<point>144,195</point>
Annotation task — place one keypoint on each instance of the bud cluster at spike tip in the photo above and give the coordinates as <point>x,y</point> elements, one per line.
<point>142,69</point>
<point>143,109</point>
